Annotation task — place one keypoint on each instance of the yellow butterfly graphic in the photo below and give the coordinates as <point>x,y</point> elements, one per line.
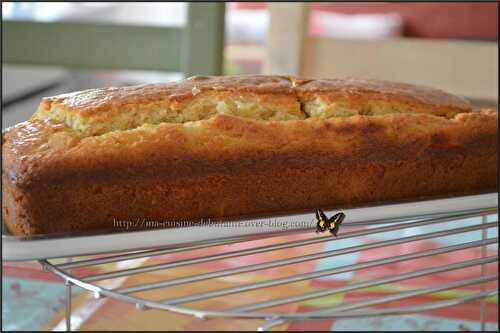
<point>332,224</point>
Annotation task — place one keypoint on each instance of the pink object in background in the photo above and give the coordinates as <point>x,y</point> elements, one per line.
<point>465,20</point>
<point>357,26</point>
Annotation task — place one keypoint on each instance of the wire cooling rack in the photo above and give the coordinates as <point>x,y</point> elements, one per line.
<point>414,230</point>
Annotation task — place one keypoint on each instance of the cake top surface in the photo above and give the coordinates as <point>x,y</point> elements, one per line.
<point>261,97</point>
<point>350,88</point>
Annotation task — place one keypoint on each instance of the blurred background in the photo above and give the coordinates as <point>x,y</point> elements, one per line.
<point>50,48</point>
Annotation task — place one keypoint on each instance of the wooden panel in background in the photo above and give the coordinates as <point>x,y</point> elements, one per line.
<point>203,39</point>
<point>196,48</point>
<point>285,38</point>
<point>91,45</point>
<point>464,68</point>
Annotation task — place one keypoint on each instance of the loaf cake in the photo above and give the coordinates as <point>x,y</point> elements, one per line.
<point>212,147</point>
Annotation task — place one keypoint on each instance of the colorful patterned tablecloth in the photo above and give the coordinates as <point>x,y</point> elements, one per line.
<point>33,299</point>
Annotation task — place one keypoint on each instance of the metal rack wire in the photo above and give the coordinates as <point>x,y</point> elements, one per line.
<point>260,310</point>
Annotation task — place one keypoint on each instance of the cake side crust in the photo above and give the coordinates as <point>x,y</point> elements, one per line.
<point>230,166</point>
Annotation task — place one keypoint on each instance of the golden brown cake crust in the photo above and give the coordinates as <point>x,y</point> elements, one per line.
<point>103,100</point>
<point>357,91</point>
<point>94,101</point>
<point>57,178</point>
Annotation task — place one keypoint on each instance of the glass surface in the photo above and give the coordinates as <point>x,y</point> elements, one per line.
<point>149,14</point>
